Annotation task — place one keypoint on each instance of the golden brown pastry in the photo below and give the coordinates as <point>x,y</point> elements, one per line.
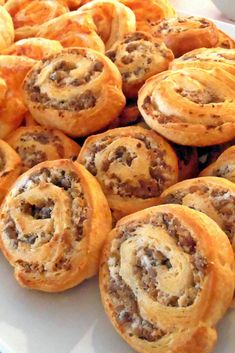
<point>133,166</point>
<point>225,41</point>
<point>77,91</point>
<point>207,59</point>
<point>166,279</point>
<point>192,106</point>
<point>53,224</point>
<point>10,168</point>
<point>147,11</point>
<point>72,30</point>
<point>223,167</point>
<point>139,56</point>
<point>35,48</point>
<point>185,33</point>
<point>36,144</point>
<point>211,195</point>
<point>112,19</point>
<point>13,70</point>
<point>27,14</point>
<point>7,33</point>
<point>188,161</point>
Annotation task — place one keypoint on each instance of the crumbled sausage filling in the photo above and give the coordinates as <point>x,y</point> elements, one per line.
<point>178,25</point>
<point>31,154</point>
<point>148,263</point>
<point>137,52</point>
<point>43,211</point>
<point>199,97</point>
<point>159,170</point>
<point>222,200</point>
<point>64,73</point>
<point>226,171</point>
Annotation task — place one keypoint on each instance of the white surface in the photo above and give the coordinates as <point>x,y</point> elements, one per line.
<point>226,7</point>
<point>202,8</point>
<point>71,322</point>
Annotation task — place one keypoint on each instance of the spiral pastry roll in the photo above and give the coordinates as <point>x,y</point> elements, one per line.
<point>27,14</point>
<point>13,70</point>
<point>207,59</point>
<point>37,144</point>
<point>223,167</point>
<point>166,278</point>
<point>185,33</point>
<point>35,48</point>
<point>225,41</point>
<point>139,56</point>
<point>211,195</point>
<point>53,224</point>
<point>10,168</point>
<point>133,166</point>
<point>192,106</point>
<point>77,91</point>
<point>72,30</point>
<point>6,29</point>
<point>112,19</point>
<point>148,11</point>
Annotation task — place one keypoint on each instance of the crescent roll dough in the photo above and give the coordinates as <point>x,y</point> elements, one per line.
<point>53,223</point>
<point>77,91</point>
<point>166,279</point>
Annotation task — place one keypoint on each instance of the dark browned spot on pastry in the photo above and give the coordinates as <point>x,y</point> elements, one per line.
<point>127,59</point>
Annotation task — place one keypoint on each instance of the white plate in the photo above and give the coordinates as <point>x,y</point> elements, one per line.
<point>71,322</point>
